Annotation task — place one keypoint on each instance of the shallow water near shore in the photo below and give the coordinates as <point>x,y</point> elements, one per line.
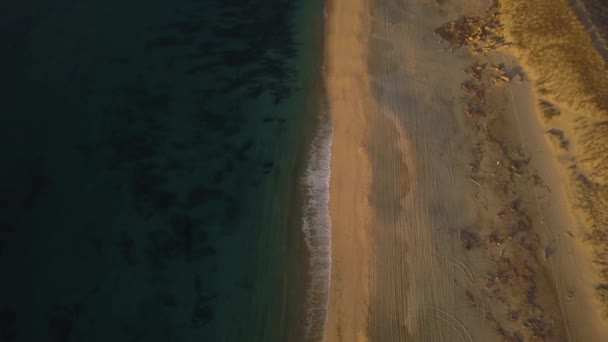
<point>154,157</point>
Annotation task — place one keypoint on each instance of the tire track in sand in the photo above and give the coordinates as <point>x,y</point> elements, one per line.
<point>413,285</point>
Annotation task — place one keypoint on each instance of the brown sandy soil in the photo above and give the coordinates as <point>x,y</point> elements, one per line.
<point>451,218</point>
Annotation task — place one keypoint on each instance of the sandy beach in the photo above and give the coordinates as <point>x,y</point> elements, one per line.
<point>467,195</point>
<point>349,105</point>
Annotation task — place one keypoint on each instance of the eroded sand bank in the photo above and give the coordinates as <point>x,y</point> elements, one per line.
<point>451,216</point>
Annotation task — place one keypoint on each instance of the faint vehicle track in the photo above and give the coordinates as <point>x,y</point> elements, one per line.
<point>414,300</point>
<point>453,322</point>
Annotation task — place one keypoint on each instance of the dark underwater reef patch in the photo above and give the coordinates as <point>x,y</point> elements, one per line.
<point>201,314</point>
<point>247,48</point>
<point>148,191</point>
<point>186,237</point>
<point>23,182</point>
<point>182,144</point>
<point>202,311</point>
<point>246,51</point>
<point>61,320</point>
<point>128,249</point>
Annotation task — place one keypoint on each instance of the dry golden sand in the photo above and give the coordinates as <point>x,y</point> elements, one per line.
<point>451,220</point>
<point>348,95</point>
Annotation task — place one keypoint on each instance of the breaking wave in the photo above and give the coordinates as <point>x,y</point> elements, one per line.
<point>316,225</point>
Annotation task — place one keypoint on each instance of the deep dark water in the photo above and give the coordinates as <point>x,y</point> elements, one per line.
<point>148,153</point>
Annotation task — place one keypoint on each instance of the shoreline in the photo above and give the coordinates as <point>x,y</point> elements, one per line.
<point>295,255</point>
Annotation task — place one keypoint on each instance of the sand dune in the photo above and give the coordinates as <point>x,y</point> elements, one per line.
<point>572,74</point>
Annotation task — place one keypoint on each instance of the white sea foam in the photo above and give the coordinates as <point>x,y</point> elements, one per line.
<point>316,225</point>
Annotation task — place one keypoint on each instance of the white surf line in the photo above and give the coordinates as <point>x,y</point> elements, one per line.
<point>542,220</point>
<point>316,226</point>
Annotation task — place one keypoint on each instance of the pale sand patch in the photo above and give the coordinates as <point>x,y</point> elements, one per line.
<point>349,103</point>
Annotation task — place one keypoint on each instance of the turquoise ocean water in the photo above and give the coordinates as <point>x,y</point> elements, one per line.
<point>155,169</point>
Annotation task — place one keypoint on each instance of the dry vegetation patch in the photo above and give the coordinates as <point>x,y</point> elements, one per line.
<point>559,52</point>
<point>497,168</point>
<point>482,33</point>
